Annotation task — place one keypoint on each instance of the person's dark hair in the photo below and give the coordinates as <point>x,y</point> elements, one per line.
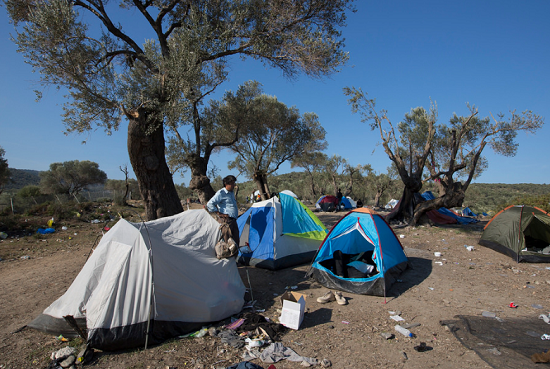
<point>229,179</point>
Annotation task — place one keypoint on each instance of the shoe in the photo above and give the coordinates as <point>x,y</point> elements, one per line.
<point>341,300</point>
<point>327,297</point>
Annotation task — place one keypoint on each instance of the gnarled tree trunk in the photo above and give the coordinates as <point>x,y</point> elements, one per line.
<point>261,184</point>
<point>200,183</point>
<point>146,151</point>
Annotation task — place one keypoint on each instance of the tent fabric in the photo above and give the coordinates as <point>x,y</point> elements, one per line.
<point>361,235</point>
<point>521,232</point>
<point>327,203</point>
<point>391,204</point>
<point>352,202</point>
<point>468,212</point>
<point>165,269</point>
<point>280,233</point>
<point>428,195</point>
<point>290,193</point>
<point>346,203</point>
<point>328,198</point>
<point>440,218</point>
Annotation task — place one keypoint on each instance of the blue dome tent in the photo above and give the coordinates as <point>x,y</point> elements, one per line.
<point>361,255</point>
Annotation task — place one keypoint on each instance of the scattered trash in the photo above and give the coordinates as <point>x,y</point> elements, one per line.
<point>410,325</point>
<point>431,288</point>
<point>542,357</point>
<point>401,236</point>
<point>397,318</point>
<point>469,248</point>
<point>422,347</point>
<point>45,230</point>
<point>545,337</point>
<point>437,254</point>
<point>404,331</point>
<point>200,333</point>
<point>26,257</point>
<point>254,342</point>
<point>545,318</point>
<point>387,336</point>
<point>64,228</point>
<point>512,305</point>
<point>3,235</point>
<point>495,351</point>
<point>345,322</point>
<point>439,262</point>
<point>236,324</point>
<point>63,353</point>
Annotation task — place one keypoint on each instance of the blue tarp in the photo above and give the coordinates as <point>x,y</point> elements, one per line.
<point>468,212</point>
<point>45,231</point>
<point>428,195</point>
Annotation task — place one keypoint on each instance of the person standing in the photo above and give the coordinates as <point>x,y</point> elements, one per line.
<point>224,205</point>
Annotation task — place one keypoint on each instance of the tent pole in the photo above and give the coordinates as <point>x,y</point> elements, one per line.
<point>249,285</point>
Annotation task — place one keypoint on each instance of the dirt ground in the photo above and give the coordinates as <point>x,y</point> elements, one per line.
<point>36,271</point>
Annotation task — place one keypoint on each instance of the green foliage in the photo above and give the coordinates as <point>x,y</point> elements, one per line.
<point>282,135</point>
<point>71,177</point>
<point>20,178</point>
<point>29,191</point>
<point>493,197</point>
<point>4,171</point>
<point>83,47</point>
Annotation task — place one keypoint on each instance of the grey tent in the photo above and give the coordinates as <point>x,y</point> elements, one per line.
<point>146,282</point>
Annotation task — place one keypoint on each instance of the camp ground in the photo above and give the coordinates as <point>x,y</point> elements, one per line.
<point>450,283</point>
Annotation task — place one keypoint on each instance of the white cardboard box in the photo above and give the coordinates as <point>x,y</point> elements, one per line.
<point>294,307</point>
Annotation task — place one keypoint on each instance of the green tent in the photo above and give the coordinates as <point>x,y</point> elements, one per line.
<point>521,232</point>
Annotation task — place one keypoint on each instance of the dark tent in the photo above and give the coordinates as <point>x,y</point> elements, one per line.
<point>521,232</point>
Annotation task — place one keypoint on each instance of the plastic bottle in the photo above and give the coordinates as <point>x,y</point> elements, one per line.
<point>404,331</point>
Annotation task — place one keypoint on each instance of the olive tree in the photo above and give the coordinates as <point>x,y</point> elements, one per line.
<point>278,134</point>
<point>154,78</point>
<point>422,150</point>
<point>71,177</point>
<point>4,170</point>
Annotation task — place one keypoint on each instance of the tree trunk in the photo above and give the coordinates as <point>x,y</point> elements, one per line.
<point>146,151</point>
<point>261,184</point>
<point>377,199</point>
<point>200,183</point>
<point>405,209</point>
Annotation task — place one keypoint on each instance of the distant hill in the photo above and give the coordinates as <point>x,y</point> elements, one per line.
<point>21,178</point>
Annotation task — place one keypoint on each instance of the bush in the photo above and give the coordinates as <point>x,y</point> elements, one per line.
<point>539,201</point>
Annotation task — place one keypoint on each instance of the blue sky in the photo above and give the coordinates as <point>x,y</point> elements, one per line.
<point>493,54</point>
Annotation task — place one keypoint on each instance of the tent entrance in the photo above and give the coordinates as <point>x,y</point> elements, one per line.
<point>352,256</point>
<point>537,236</point>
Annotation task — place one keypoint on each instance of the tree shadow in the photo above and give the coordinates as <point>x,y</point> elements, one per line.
<point>420,269</point>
